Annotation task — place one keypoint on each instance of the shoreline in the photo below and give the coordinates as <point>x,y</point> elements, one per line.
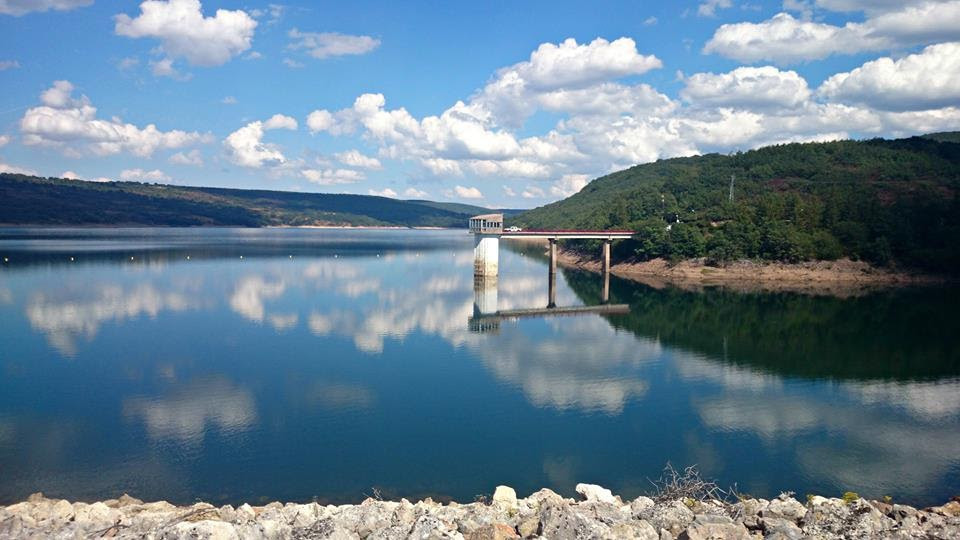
<point>842,277</point>
<point>683,513</point>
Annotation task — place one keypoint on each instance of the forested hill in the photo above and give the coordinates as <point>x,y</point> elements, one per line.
<point>885,201</point>
<point>52,201</point>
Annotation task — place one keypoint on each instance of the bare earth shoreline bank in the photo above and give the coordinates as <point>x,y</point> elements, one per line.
<point>597,514</point>
<point>832,277</point>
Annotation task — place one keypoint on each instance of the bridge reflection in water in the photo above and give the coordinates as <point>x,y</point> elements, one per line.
<point>486,317</point>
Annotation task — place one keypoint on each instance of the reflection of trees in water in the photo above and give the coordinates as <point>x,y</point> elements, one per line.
<point>900,334</point>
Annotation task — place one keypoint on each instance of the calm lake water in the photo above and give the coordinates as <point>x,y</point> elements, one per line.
<point>238,365</point>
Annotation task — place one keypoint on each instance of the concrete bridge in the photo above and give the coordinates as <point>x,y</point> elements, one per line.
<point>488,230</point>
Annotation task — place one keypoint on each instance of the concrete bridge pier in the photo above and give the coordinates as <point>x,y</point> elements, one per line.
<point>486,255</point>
<point>553,256</point>
<point>606,257</point>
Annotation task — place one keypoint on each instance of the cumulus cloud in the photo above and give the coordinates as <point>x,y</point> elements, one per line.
<point>192,157</point>
<point>606,124</point>
<point>165,68</point>
<point>415,193</point>
<point>326,44</point>
<point>385,192</point>
<point>229,100</point>
<point>71,125</point>
<point>354,158</point>
<point>927,80</point>
<point>4,139</point>
<point>710,7</point>
<point>9,64</point>
<point>467,192</point>
<point>184,31</point>
<point>569,184</point>
<point>246,148</point>
<point>141,175</point>
<point>71,175</point>
<point>331,177</point>
<point>13,169</point>
<point>22,7</point>
<point>280,121</point>
<point>784,39</point>
<point>532,192</point>
<point>753,87</point>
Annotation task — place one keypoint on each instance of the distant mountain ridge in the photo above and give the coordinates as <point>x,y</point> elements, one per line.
<point>30,200</point>
<point>890,202</point>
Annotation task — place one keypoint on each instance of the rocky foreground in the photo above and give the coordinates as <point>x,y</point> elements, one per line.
<point>543,514</point>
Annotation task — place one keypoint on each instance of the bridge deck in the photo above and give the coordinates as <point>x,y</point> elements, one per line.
<point>565,234</point>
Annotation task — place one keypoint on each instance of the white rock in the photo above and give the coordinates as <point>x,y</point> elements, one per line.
<point>506,496</point>
<point>595,493</point>
<point>207,530</point>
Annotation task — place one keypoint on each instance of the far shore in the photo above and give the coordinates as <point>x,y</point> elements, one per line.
<point>842,276</point>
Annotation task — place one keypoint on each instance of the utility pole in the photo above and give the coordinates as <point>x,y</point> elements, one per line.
<point>732,177</point>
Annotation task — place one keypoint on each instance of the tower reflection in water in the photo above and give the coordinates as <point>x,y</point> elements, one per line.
<point>487,317</point>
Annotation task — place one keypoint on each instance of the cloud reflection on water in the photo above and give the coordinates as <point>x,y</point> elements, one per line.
<point>185,413</point>
<point>67,315</point>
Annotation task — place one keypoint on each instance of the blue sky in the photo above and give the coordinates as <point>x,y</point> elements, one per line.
<point>499,104</point>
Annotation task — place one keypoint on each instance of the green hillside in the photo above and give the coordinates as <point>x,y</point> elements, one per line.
<point>885,201</point>
<point>28,200</point>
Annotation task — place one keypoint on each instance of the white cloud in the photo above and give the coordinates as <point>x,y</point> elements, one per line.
<point>927,80</point>
<point>871,6</point>
<point>509,192</point>
<point>354,158</point>
<point>164,68</point>
<point>185,32</point>
<point>280,121</point>
<point>326,44</point>
<point>252,55</point>
<point>127,63</point>
<point>9,64</point>
<point>467,192</point>
<point>22,7</point>
<point>532,192</point>
<point>784,39</point>
<point>192,157</point>
<point>650,21</point>
<point>710,7</point>
<point>385,192</point>
<point>4,140</point>
<point>71,125</point>
<point>13,169</point>
<point>293,64</point>
<point>246,148</point>
<point>155,175</point>
<point>570,64</point>
<point>71,175</point>
<point>229,100</point>
<point>415,193</point>
<point>330,177</point>
<point>274,11</point>
<point>569,184</point>
<point>747,87</point>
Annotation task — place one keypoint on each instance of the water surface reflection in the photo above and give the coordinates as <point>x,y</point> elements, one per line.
<point>323,363</point>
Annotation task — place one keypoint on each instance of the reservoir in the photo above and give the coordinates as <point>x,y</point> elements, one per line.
<point>252,365</point>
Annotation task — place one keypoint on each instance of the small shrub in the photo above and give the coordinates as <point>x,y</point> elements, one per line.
<point>850,496</point>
